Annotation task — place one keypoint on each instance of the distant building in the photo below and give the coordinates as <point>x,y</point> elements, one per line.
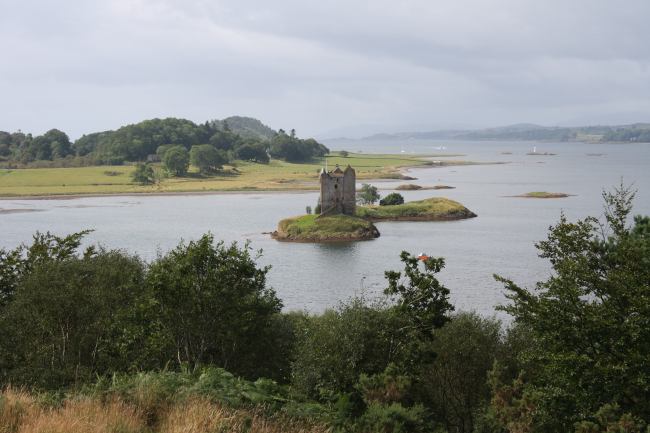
<point>338,191</point>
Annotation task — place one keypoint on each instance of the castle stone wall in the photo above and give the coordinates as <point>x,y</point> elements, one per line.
<point>338,191</point>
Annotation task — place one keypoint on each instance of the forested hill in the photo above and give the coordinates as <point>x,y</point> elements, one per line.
<point>638,132</point>
<point>236,137</point>
<point>247,127</point>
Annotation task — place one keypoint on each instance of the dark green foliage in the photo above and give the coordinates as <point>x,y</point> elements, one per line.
<point>454,387</point>
<point>88,143</point>
<point>239,137</point>
<point>610,419</point>
<point>207,159</point>
<point>18,263</point>
<point>294,149</point>
<point>392,199</point>
<point>393,418</point>
<point>344,153</point>
<point>54,144</point>
<point>214,306</point>
<point>333,349</point>
<point>246,127</point>
<point>252,152</point>
<point>368,194</point>
<point>420,297</point>
<point>66,316</point>
<point>225,140</point>
<point>69,316</point>
<point>590,322</point>
<point>160,151</point>
<point>143,174</point>
<point>135,142</point>
<point>176,160</point>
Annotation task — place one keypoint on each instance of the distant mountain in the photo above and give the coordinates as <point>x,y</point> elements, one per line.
<point>247,127</point>
<point>637,132</point>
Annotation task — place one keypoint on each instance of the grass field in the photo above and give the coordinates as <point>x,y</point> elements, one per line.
<point>244,176</point>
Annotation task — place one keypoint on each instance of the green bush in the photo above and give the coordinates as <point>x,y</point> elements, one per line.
<point>392,199</point>
<point>334,348</point>
<point>143,174</point>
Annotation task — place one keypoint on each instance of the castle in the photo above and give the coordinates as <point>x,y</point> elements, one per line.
<point>338,191</point>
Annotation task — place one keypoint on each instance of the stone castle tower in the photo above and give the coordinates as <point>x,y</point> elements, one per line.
<point>338,191</point>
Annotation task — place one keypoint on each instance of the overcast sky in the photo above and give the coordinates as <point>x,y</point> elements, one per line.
<point>323,67</point>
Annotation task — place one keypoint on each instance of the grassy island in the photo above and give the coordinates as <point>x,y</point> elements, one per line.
<point>314,228</point>
<point>431,209</point>
<point>414,187</point>
<point>408,187</point>
<point>544,194</point>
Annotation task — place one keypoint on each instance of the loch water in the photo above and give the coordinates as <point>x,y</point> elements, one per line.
<point>313,277</point>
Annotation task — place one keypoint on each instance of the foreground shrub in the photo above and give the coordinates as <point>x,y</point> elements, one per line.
<point>588,323</point>
<point>215,308</point>
<point>335,348</point>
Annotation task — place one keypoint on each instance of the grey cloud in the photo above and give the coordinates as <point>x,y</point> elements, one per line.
<point>84,65</point>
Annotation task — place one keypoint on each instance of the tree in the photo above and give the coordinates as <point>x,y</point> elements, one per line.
<point>589,322</point>
<point>143,174</point>
<point>455,386</point>
<point>67,315</point>
<point>16,264</point>
<point>215,307</point>
<point>206,158</point>
<point>252,152</point>
<point>420,297</point>
<point>162,149</point>
<point>334,348</point>
<point>344,153</point>
<point>293,149</point>
<point>225,140</point>
<point>176,160</point>
<point>368,194</point>
<point>392,199</point>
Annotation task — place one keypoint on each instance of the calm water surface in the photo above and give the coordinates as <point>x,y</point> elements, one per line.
<point>313,277</point>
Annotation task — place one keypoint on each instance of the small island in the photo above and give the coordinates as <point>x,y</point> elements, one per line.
<point>414,187</point>
<point>408,187</point>
<point>339,219</point>
<point>543,194</point>
<point>430,209</point>
<point>316,228</point>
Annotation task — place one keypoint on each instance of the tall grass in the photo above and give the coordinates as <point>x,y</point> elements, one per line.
<point>200,415</point>
<point>211,400</point>
<point>15,406</point>
<point>85,416</point>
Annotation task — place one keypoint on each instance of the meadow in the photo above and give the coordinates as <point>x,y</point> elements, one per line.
<point>241,176</point>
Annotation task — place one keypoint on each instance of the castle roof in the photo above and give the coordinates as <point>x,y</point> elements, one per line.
<point>337,171</point>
